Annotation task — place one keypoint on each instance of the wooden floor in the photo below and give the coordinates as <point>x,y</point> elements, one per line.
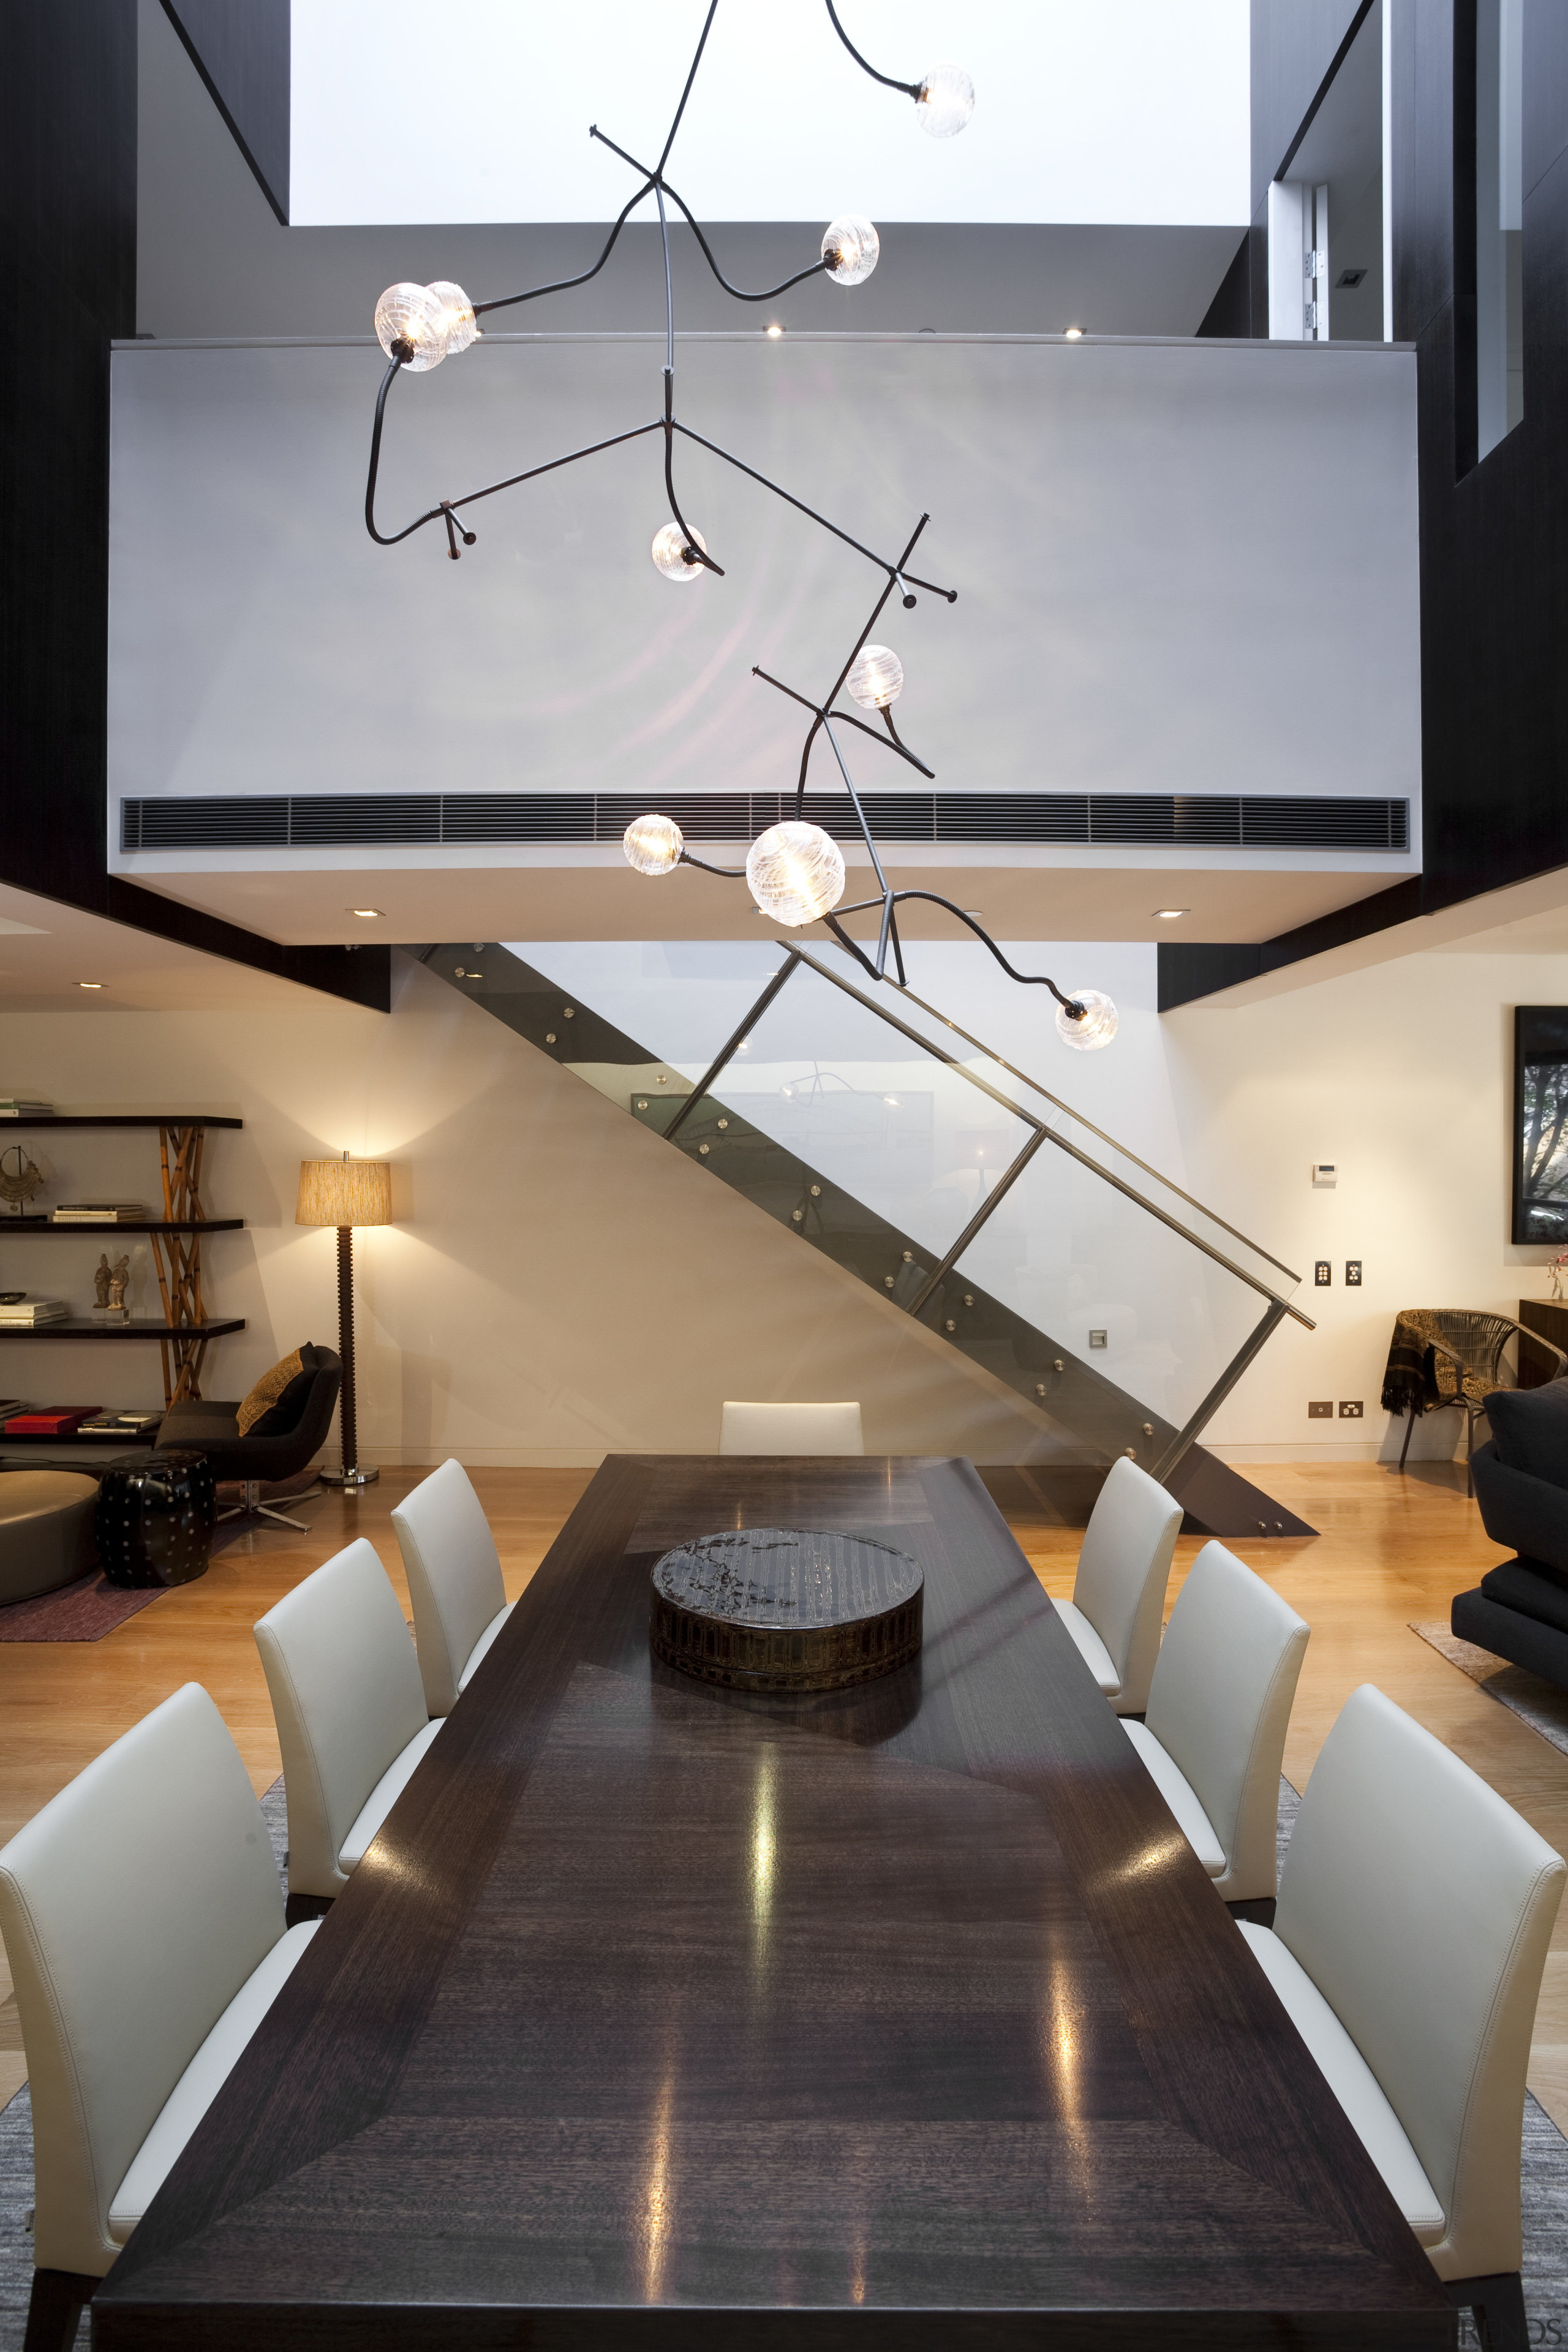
<point>1390,1550</point>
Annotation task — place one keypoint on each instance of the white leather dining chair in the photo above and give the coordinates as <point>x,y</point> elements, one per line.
<point>1119,1594</point>
<point>143,1925</point>
<point>454,1582</point>
<point>1414,1912</point>
<point>1219,1704</point>
<point>791,1429</point>
<point>350,1715</point>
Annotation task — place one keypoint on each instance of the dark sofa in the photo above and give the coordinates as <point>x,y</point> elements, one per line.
<point>1520,1609</point>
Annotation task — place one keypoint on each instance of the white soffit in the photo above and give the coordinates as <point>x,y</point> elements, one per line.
<point>1127,110</point>
<point>48,949</point>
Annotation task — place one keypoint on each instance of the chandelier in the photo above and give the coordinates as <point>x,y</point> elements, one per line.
<point>795,870</point>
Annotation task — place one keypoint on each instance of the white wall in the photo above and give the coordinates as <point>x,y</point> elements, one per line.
<point>1403,1076</point>
<point>260,644</point>
<point>558,1283</point>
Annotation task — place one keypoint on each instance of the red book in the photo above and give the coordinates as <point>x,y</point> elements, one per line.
<point>56,1421</point>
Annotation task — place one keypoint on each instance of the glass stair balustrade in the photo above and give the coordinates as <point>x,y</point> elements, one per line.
<point>932,1171</point>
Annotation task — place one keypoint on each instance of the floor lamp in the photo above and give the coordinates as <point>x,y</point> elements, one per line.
<point>345,1194</point>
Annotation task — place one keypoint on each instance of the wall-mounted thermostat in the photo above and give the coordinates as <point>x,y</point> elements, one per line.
<point>1324,1172</point>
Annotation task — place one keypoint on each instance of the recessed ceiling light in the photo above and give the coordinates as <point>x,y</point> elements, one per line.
<point>773,333</point>
<point>89,983</point>
<point>1075,334</point>
<point>368,912</point>
<point>1170,914</point>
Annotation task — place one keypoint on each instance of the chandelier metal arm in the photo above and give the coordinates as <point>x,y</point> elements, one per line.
<point>550,466</point>
<point>726,873</point>
<point>849,718</point>
<point>563,285</point>
<point>740,293</point>
<point>1025,979</point>
<point>902,748</point>
<point>692,77</point>
<point>790,500</point>
<point>855,804</point>
<point>910,89</point>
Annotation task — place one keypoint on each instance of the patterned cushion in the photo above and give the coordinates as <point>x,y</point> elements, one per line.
<point>278,1400</point>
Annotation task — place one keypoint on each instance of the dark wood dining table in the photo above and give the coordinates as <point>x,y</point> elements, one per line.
<point>665,2015</point>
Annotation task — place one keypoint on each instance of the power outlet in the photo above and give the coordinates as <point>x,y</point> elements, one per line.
<point>1323,1410</point>
<point>1322,1273</point>
<point>1352,1274</point>
<point>1351,1409</point>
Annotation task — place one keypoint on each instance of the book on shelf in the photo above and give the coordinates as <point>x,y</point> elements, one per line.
<point>98,1213</point>
<point>19,1107</point>
<point>28,1311</point>
<point>54,1421</point>
<point>120,1424</point>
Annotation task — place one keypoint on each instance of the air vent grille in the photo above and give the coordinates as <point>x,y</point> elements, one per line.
<point>435,820</point>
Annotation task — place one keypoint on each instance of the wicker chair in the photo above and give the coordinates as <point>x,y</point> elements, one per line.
<point>1474,1343</point>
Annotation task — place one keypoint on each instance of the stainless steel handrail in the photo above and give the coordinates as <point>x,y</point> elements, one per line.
<point>1023,1076</point>
<point>1253,1281</point>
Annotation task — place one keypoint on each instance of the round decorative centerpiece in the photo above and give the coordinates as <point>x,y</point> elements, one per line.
<point>780,1608</point>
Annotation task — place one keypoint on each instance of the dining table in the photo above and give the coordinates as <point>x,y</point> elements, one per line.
<point>665,2014</point>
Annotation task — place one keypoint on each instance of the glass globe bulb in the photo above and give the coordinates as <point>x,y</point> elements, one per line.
<point>850,246</point>
<point>795,873</point>
<point>462,327</point>
<point>669,546</point>
<point>417,316</point>
<point>653,843</point>
<point>1098,1025</point>
<point>946,102</point>
<point>876,678</point>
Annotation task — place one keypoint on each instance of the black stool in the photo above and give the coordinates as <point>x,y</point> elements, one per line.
<point>155,1519</point>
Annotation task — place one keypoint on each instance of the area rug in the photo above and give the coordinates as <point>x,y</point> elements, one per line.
<point>1539,1703</point>
<point>92,1607</point>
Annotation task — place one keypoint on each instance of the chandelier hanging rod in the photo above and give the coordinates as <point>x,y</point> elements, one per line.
<point>910,88</point>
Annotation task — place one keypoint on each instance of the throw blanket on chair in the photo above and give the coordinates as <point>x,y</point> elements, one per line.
<point>1418,1377</point>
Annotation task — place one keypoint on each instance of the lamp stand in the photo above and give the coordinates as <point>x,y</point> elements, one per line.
<point>350,1474</point>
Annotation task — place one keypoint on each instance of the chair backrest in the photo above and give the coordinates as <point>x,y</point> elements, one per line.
<point>1123,1567</point>
<point>791,1429</point>
<point>454,1577</point>
<point>347,1699</point>
<point>1219,1704</point>
<point>1421,1906</point>
<point>133,1908</point>
<point>1478,1340</point>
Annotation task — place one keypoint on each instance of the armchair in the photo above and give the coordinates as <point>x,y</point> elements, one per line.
<point>256,1461</point>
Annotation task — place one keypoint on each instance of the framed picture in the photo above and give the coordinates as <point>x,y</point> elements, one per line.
<point>1541,1123</point>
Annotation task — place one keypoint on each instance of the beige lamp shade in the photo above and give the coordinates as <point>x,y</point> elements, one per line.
<point>344,1192</point>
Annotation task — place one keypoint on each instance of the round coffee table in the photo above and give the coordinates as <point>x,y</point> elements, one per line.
<point>786,1609</point>
<point>46,1531</point>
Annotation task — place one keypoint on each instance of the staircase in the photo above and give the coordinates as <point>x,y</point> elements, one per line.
<point>951,1183</point>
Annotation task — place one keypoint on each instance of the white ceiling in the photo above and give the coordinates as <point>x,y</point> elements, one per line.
<point>1127,110</point>
<point>48,949</point>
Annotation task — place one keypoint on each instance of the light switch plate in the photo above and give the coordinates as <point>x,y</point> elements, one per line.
<point>1322,1273</point>
<point>1099,1339</point>
<point>1352,1274</point>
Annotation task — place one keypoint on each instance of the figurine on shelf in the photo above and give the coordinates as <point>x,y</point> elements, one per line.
<point>100,1282</point>
<point>1557,1267</point>
<point>118,1276</point>
<point>19,1182</point>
